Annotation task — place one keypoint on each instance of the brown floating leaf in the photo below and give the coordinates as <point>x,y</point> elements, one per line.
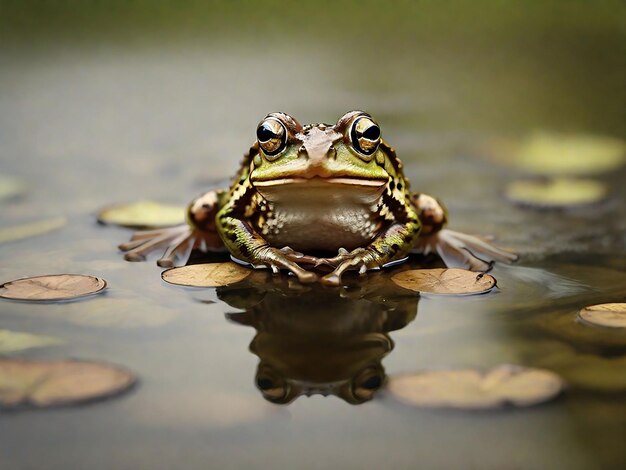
<point>144,214</point>
<point>13,341</point>
<point>53,383</point>
<point>471,389</point>
<point>206,275</point>
<point>52,287</point>
<point>609,315</point>
<point>18,232</point>
<point>445,281</point>
<point>556,192</point>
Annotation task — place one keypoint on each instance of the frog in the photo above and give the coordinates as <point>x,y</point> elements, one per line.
<point>316,201</point>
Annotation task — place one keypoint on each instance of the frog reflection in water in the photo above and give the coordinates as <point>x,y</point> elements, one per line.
<point>313,340</point>
<point>318,200</point>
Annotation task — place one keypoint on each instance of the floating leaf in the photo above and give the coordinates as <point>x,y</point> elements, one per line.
<point>206,275</point>
<point>18,232</point>
<point>54,383</point>
<point>10,187</point>
<point>13,341</point>
<point>609,315</point>
<point>142,214</point>
<point>473,390</point>
<point>52,287</point>
<point>553,154</point>
<point>445,281</point>
<point>556,192</point>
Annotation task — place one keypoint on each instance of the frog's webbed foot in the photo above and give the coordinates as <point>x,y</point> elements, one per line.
<point>175,240</point>
<point>458,249</point>
<point>288,259</point>
<point>358,259</point>
<point>199,233</point>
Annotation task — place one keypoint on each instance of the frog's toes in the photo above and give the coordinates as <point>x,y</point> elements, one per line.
<point>332,279</point>
<point>462,250</point>
<point>356,260</point>
<point>343,255</point>
<point>174,239</point>
<point>298,257</point>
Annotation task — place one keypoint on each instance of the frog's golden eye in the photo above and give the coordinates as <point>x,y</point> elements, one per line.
<point>365,135</point>
<point>272,136</point>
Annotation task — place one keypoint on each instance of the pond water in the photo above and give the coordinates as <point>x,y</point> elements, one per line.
<point>87,123</point>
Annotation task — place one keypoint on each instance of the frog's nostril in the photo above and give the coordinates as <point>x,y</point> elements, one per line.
<point>332,153</point>
<point>302,151</point>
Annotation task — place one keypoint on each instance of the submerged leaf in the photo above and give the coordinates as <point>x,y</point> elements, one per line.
<point>118,312</point>
<point>13,341</point>
<point>52,287</point>
<point>472,389</point>
<point>556,192</point>
<point>142,214</point>
<point>445,281</point>
<point>53,383</point>
<point>206,275</point>
<point>32,229</point>
<point>608,315</point>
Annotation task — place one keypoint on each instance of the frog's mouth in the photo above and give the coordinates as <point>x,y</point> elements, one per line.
<point>337,190</point>
<point>317,181</point>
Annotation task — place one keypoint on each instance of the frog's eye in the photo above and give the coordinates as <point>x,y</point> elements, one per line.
<point>367,383</point>
<point>272,136</point>
<point>365,135</point>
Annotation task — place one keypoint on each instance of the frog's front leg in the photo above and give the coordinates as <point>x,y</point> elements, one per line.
<point>456,249</point>
<point>199,232</point>
<point>393,243</point>
<point>245,243</point>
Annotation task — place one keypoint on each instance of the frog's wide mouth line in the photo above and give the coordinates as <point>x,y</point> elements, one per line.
<point>347,180</point>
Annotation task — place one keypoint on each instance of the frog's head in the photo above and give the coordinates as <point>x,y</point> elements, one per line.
<point>348,155</point>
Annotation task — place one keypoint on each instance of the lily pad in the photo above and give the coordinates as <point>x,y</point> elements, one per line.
<point>52,287</point>
<point>43,384</point>
<point>143,214</point>
<point>612,315</point>
<point>471,389</point>
<point>17,232</point>
<point>13,341</point>
<point>445,281</point>
<point>206,275</point>
<point>545,153</point>
<point>556,192</point>
<point>10,187</point>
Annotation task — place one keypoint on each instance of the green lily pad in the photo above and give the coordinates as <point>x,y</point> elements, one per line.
<point>545,153</point>
<point>43,384</point>
<point>13,341</point>
<point>10,187</point>
<point>32,229</point>
<point>556,192</point>
<point>143,214</point>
